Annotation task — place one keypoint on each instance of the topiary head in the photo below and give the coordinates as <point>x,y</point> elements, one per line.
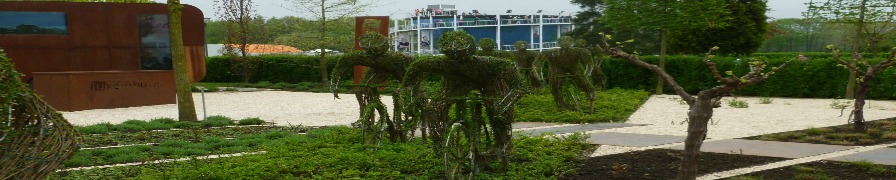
<point>457,45</point>
<point>487,45</point>
<point>374,43</point>
<point>521,45</point>
<point>565,42</point>
<point>581,43</point>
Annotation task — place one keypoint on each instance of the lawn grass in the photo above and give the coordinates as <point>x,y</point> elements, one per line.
<point>336,153</point>
<point>614,105</point>
<point>878,132</point>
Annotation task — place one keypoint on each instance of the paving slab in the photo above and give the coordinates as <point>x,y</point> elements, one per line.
<point>522,125</point>
<point>577,128</point>
<point>885,156</point>
<point>631,139</point>
<point>768,148</point>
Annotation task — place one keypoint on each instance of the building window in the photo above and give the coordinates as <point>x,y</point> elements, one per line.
<point>155,45</point>
<point>22,22</point>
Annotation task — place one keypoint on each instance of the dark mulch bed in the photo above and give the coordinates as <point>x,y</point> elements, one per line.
<point>826,170</point>
<point>659,164</point>
<point>878,132</point>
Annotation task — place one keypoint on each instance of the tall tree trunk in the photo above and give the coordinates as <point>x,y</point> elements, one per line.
<point>858,111</point>
<point>185,107</point>
<point>860,26</point>
<point>659,81</point>
<point>323,52</point>
<point>851,84</point>
<point>698,119</point>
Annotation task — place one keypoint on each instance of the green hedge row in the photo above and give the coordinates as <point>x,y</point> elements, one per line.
<point>820,77</point>
<point>274,68</point>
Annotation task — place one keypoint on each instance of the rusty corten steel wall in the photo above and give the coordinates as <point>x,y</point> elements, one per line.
<point>101,37</point>
<point>83,90</point>
<point>97,64</point>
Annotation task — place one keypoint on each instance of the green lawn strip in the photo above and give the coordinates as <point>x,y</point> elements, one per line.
<point>878,132</point>
<point>335,153</point>
<point>192,135</point>
<point>825,170</point>
<point>613,105</point>
<point>164,124</point>
<point>170,149</point>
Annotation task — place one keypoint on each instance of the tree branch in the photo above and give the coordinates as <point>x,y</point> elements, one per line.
<point>670,82</point>
<point>846,64</point>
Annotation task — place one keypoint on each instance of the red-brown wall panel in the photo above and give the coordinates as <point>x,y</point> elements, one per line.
<point>90,59</point>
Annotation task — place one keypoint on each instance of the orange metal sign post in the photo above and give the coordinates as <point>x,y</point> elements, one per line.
<point>364,24</point>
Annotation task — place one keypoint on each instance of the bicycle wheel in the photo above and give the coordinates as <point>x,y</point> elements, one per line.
<point>372,123</point>
<point>458,154</point>
<point>571,94</point>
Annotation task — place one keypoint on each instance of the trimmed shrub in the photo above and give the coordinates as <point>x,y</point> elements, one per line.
<point>217,121</point>
<point>250,121</point>
<point>186,125</point>
<point>273,68</point>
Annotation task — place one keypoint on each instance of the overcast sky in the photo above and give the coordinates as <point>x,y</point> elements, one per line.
<point>404,8</point>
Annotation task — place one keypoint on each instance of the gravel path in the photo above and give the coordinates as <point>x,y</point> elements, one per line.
<point>281,107</point>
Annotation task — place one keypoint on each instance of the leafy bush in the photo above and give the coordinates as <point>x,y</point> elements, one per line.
<point>273,68</point>
<point>614,105</point>
<point>820,77</point>
<point>216,121</point>
<point>163,120</point>
<point>765,100</point>
<point>250,121</point>
<point>100,128</point>
<point>128,128</point>
<point>735,103</point>
<point>185,125</point>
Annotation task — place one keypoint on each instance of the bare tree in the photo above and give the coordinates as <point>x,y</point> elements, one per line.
<point>185,106</point>
<point>237,16</point>
<point>701,105</point>
<point>864,82</point>
<point>860,14</point>
<point>323,12</point>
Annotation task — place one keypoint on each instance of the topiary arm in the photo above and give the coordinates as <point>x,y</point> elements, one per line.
<point>343,65</point>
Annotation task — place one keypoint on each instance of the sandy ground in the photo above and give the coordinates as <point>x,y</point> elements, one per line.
<point>281,107</point>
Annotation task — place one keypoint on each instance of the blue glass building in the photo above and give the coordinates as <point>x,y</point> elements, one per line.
<point>420,32</point>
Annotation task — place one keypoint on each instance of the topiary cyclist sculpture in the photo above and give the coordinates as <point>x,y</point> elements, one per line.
<point>383,66</point>
<point>573,62</point>
<point>478,81</point>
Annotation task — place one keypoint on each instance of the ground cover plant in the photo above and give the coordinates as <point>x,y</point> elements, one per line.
<point>659,164</point>
<point>338,153</point>
<point>826,170</point>
<point>164,124</point>
<point>192,135</point>
<point>614,105</point>
<point>169,149</point>
<point>878,132</point>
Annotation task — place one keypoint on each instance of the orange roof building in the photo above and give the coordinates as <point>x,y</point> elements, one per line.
<point>254,49</point>
<point>261,49</point>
